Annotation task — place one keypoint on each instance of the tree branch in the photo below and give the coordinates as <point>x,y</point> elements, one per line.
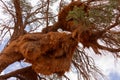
<point>47,13</point>
<point>8,10</point>
<point>8,58</point>
<point>18,15</point>
<point>108,49</point>
<point>22,74</point>
<point>29,15</point>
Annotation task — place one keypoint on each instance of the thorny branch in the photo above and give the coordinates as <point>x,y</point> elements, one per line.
<point>84,64</point>
<point>8,10</point>
<point>29,15</point>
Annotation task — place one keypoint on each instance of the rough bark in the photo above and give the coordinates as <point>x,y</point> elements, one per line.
<point>18,26</point>
<point>26,73</point>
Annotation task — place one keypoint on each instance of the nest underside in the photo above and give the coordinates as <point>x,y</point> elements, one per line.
<point>48,53</point>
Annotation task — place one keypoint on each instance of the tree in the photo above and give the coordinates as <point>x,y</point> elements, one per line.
<point>51,52</point>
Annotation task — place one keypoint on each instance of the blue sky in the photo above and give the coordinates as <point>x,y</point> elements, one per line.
<point>114,76</point>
